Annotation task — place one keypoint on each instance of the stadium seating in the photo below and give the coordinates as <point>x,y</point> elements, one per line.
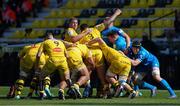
<point>135,14</point>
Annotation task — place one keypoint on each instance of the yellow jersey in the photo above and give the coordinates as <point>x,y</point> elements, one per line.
<point>70,32</point>
<point>96,33</point>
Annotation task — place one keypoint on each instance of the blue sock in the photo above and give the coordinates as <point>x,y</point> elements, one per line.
<point>147,85</point>
<point>165,84</point>
<point>136,87</point>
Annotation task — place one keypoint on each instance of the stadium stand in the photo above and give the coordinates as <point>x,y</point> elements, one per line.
<point>136,14</point>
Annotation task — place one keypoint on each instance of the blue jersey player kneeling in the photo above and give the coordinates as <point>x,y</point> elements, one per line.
<point>146,63</point>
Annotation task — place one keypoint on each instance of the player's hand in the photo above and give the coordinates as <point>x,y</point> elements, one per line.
<point>126,51</point>
<point>73,45</point>
<point>88,31</point>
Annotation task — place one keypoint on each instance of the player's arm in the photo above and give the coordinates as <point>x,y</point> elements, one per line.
<point>79,36</point>
<point>90,59</point>
<point>105,23</point>
<point>135,62</point>
<point>128,39</point>
<point>39,53</point>
<point>96,40</point>
<point>68,44</point>
<point>113,17</point>
<point>66,53</point>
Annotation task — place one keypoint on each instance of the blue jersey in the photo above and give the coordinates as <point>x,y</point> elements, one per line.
<point>120,42</point>
<point>146,58</point>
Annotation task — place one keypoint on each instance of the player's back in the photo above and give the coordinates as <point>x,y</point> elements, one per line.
<point>31,51</point>
<point>54,48</point>
<point>28,55</point>
<point>111,54</point>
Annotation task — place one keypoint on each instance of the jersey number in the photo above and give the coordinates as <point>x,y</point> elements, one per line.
<point>56,42</point>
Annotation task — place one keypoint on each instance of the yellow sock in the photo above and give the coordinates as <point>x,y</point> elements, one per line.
<point>18,92</point>
<point>46,86</point>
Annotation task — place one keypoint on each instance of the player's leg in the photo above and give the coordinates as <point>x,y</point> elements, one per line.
<point>64,79</point>
<point>62,86</point>
<point>19,84</point>
<point>11,92</point>
<point>163,82</point>
<point>47,82</point>
<point>33,86</point>
<point>88,89</point>
<point>84,77</point>
<point>19,87</point>
<point>110,77</point>
<point>138,81</point>
<point>48,68</point>
<point>100,69</point>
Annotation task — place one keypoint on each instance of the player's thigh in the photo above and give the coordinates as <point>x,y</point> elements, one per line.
<point>156,74</point>
<point>63,69</point>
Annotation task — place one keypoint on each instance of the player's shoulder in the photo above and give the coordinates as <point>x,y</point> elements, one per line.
<point>70,31</point>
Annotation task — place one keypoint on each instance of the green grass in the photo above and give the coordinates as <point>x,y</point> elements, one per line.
<point>160,99</point>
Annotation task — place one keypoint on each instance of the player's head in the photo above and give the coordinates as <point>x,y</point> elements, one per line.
<point>136,45</point>
<point>112,36</point>
<point>84,27</point>
<point>48,35</point>
<point>73,23</point>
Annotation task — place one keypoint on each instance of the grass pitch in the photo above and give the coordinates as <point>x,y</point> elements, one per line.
<point>160,100</point>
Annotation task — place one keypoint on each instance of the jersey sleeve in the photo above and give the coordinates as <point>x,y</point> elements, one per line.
<point>100,27</point>
<point>71,32</point>
<point>141,56</point>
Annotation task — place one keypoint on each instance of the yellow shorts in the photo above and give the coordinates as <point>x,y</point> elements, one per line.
<point>55,63</point>
<point>120,67</point>
<point>98,57</point>
<point>75,61</point>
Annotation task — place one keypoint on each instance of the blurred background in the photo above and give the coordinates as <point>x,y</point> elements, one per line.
<point>155,22</point>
